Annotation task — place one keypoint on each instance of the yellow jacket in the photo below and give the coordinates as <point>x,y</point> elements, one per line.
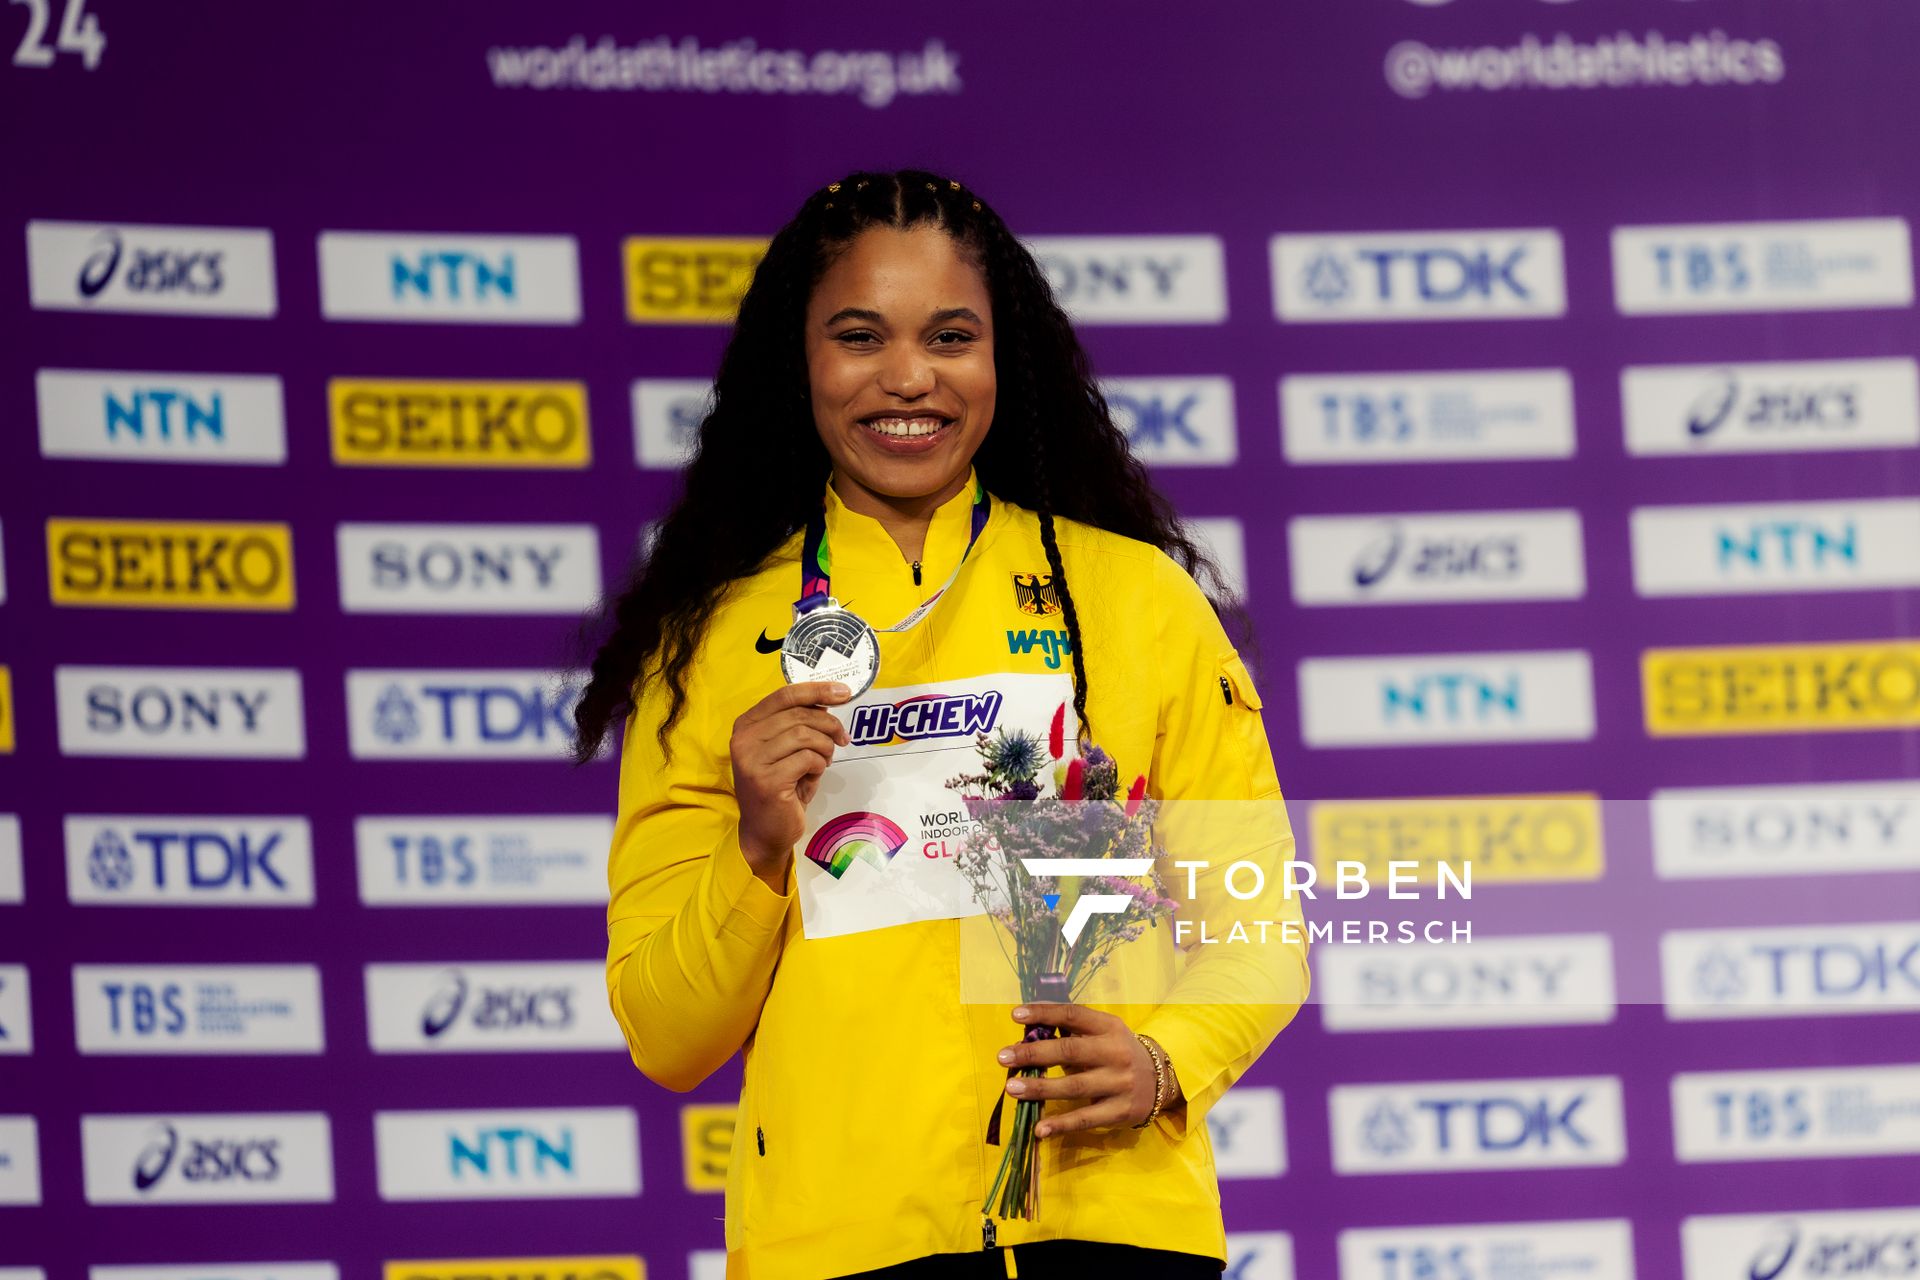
<point>868,1081</point>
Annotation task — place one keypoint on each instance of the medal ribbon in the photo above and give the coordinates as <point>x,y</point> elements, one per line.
<point>816,563</point>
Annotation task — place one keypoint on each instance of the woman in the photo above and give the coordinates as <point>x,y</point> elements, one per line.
<point>903,400</point>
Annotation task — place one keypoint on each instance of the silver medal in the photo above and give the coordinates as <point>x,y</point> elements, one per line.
<point>830,642</point>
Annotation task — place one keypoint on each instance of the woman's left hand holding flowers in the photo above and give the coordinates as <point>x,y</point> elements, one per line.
<point>1106,1067</point>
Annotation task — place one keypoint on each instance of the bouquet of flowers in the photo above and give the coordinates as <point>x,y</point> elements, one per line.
<point>1030,861</point>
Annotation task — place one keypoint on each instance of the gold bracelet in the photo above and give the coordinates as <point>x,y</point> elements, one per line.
<point>1159,1078</point>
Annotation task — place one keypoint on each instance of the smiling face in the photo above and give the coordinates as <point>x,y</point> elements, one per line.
<point>899,350</point>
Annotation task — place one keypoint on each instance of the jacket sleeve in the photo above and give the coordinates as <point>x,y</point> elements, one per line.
<point>1213,772</point>
<point>692,934</point>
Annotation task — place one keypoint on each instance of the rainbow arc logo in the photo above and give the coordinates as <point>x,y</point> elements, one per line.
<point>871,837</point>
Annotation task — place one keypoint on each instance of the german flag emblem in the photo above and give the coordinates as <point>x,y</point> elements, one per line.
<point>1035,593</point>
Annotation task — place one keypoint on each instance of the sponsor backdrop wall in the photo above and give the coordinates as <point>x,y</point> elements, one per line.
<point>1543,373</point>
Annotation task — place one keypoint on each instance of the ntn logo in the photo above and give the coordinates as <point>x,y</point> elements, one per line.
<point>151,408</point>
<point>453,274</point>
<point>512,1151</point>
<point>1787,544</point>
<point>1452,695</point>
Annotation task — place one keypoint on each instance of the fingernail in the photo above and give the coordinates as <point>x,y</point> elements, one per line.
<point>1021,1012</point>
<point>1016,1086</point>
<point>1006,1057</point>
<point>1042,1132</point>
<point>838,690</point>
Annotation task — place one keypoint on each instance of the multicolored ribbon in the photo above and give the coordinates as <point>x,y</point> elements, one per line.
<point>816,563</point>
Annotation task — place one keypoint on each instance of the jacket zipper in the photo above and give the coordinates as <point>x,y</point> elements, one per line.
<point>916,573</point>
<point>987,1234</point>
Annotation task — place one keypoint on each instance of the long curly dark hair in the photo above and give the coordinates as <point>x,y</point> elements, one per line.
<point>759,467</point>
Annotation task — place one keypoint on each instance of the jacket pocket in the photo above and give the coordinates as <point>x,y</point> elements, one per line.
<point>1245,729</point>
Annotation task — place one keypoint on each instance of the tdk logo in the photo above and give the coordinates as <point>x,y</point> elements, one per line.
<point>1175,421</point>
<point>512,279</point>
<point>927,716</point>
<point>183,861</point>
<point>1418,276</point>
<point>1477,1124</point>
<point>466,1155</point>
<point>1472,697</point>
<point>208,1159</point>
<point>1136,279</point>
<point>182,270</point>
<point>461,714</point>
<point>179,711</point>
<point>1790,972</point>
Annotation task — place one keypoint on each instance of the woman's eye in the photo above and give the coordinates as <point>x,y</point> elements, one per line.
<point>858,337</point>
<point>952,337</point>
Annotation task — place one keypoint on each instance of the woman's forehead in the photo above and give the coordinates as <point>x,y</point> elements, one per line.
<point>906,270</point>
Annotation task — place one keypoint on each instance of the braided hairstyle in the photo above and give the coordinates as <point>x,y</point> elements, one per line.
<point>759,467</point>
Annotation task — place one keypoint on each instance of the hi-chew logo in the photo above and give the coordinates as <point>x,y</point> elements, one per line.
<point>211,713</point>
<point>12,884</point>
<point>170,564</point>
<point>616,1267</point>
<point>522,425</point>
<point>161,417</point>
<point>1421,699</point>
<point>696,281</point>
<point>1796,1115</point>
<point>1175,421</point>
<point>1247,1127</point>
<point>1419,275</point>
<point>206,1009</point>
<point>1802,1246</point>
<point>469,1008</point>
<point>19,1160</point>
<point>1869,544</point>
<point>667,413</point>
<point>1450,1125</point>
<point>482,861</point>
<point>571,1153</point>
<point>1791,972</point>
<point>1436,557</point>
<point>1776,407</point>
<point>928,715</point>
<point>1762,266</point>
<point>468,568</point>
<point>1427,417</point>
<point>16,1011</point>
<point>246,1157</point>
<point>1781,689</point>
<point>1539,980</point>
<point>449,278</point>
<point>1136,279</point>
<point>1598,1248</point>
<point>461,715</point>
<point>1803,829</point>
<point>189,861</point>
<point>91,266</point>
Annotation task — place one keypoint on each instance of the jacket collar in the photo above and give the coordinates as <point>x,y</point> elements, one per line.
<point>860,541</point>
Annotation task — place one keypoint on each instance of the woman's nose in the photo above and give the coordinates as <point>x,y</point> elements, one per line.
<point>906,373</point>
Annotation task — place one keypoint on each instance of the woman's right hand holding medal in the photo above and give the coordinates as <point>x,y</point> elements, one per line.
<point>780,747</point>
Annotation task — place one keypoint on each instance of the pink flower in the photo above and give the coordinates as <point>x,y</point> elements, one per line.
<point>1135,794</point>
<point>1076,779</point>
<point>1057,736</point>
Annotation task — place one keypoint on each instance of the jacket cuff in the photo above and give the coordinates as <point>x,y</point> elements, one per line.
<point>741,902</point>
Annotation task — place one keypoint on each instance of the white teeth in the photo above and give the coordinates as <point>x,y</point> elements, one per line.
<point>902,428</point>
